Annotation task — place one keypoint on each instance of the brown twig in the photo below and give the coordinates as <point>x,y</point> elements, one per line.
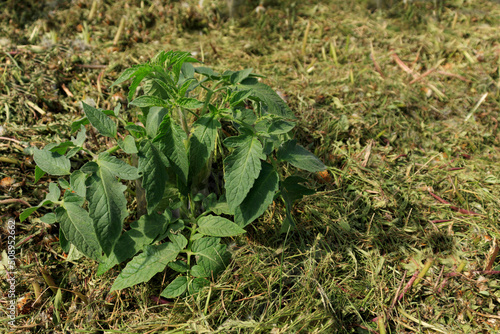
<point>475,272</point>
<point>66,90</point>
<point>11,139</point>
<point>401,64</point>
<point>14,200</point>
<point>92,66</point>
<point>441,221</point>
<point>454,208</point>
<point>420,77</point>
<point>448,74</point>
<point>377,66</point>
<point>408,286</point>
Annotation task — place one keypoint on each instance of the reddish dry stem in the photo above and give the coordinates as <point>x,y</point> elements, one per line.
<point>475,272</point>
<point>454,208</point>
<point>410,283</point>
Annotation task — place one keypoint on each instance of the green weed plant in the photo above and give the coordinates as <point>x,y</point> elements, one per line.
<point>181,148</point>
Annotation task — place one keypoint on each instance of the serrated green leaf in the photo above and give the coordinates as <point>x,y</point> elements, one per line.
<point>52,196</point>
<point>70,197</point>
<point>170,140</point>
<point>188,85</point>
<point>236,141</point>
<point>107,206</point>
<point>80,137</point>
<point>204,243</point>
<point>77,183</point>
<point>63,242</point>
<point>239,76</point>
<point>26,213</point>
<point>159,88</point>
<point>211,261</point>
<point>52,162</point>
<point>100,121</point>
<point>197,284</point>
<point>54,193</point>
<point>49,218</point>
<point>260,196</point>
<point>117,167</point>
<point>207,72</point>
<point>239,96</point>
<point>60,148</point>
<point>116,109</point>
<point>136,130</point>
<point>202,143</point>
<point>280,126</point>
<point>39,173</point>
<point>154,119</point>
<point>142,232</point>
<point>178,240</point>
<point>154,173</point>
<point>179,266</point>
<point>89,167</point>
<point>176,288</point>
<point>145,265</point>
<point>78,229</point>
<point>189,103</point>
<point>131,72</point>
<point>242,167</point>
<point>147,101</point>
<point>128,145</point>
<point>264,93</point>
<point>140,75</point>
<point>187,74</point>
<point>77,125</point>
<point>299,157</point>
<point>292,189</point>
<point>216,226</point>
<point>73,151</point>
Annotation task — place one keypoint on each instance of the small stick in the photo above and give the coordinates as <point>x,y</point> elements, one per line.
<point>92,66</point>
<point>439,278</point>
<point>11,139</point>
<point>66,90</point>
<point>119,31</point>
<point>441,221</point>
<point>454,75</point>
<point>402,64</point>
<point>372,56</point>
<point>475,272</point>
<point>14,200</point>
<point>408,286</point>
<point>422,76</point>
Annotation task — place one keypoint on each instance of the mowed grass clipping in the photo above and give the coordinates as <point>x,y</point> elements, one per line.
<point>402,104</point>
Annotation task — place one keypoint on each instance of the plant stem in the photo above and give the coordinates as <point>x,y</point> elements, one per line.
<point>113,149</point>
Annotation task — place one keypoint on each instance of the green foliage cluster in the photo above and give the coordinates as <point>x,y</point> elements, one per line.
<point>177,146</point>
